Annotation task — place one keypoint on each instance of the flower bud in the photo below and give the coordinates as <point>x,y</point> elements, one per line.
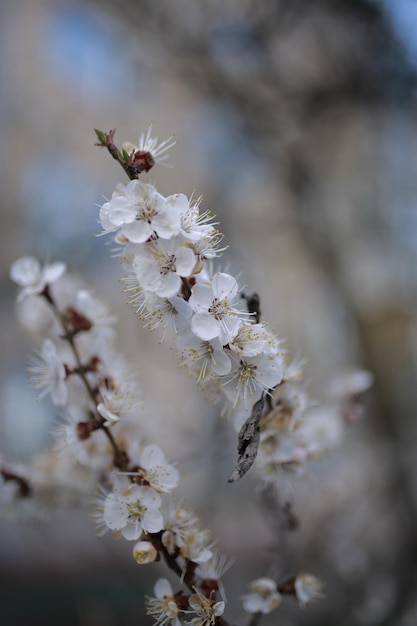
<point>144,552</point>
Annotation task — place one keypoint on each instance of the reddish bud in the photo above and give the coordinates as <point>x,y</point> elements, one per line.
<point>141,161</point>
<point>84,430</point>
<point>75,322</point>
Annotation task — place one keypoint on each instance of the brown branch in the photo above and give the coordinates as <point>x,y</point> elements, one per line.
<point>120,457</point>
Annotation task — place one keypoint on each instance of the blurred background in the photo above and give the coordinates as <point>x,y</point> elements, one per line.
<point>296,120</point>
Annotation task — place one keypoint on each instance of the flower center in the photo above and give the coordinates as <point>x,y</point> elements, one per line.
<point>168,265</point>
<point>146,213</point>
<point>136,510</point>
<point>219,308</point>
<point>247,371</point>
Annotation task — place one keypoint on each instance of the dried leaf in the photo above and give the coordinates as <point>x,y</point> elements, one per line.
<point>248,442</point>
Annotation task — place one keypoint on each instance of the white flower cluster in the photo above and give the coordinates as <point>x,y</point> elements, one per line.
<point>86,379</point>
<point>166,606</point>
<point>167,244</point>
<point>78,367</point>
<point>167,249</point>
<point>294,430</point>
<point>264,595</point>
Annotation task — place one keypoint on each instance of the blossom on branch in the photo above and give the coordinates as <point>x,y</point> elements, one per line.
<point>48,373</point>
<point>263,596</point>
<point>28,273</point>
<point>132,509</point>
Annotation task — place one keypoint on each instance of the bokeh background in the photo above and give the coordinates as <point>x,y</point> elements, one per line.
<point>297,122</point>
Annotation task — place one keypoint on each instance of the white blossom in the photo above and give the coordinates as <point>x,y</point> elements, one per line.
<point>163,607</point>
<point>94,309</point>
<point>160,475</point>
<point>349,385</point>
<point>205,358</point>
<point>263,596</point>
<point>179,522</point>
<point>161,265</point>
<point>133,509</point>
<point>138,211</point>
<point>254,339</point>
<point>32,277</point>
<point>212,571</point>
<point>289,405</point>
<point>308,588</point>
<point>196,546</point>
<point>47,372</point>
<point>94,452</point>
<point>321,430</point>
<point>194,226</point>
<point>250,376</point>
<point>215,314</point>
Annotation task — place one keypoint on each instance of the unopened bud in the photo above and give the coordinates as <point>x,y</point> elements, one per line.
<point>144,552</point>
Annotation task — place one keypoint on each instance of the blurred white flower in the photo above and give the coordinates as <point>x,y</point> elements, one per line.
<point>29,274</point>
<point>196,546</point>
<point>47,372</point>
<point>308,588</point>
<point>350,384</point>
<point>263,596</point>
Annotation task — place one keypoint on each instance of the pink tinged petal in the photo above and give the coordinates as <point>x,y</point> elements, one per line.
<point>205,326</point>
<point>138,231</point>
<point>224,285</point>
<point>152,521</point>
<point>201,298</point>
<point>185,261</point>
